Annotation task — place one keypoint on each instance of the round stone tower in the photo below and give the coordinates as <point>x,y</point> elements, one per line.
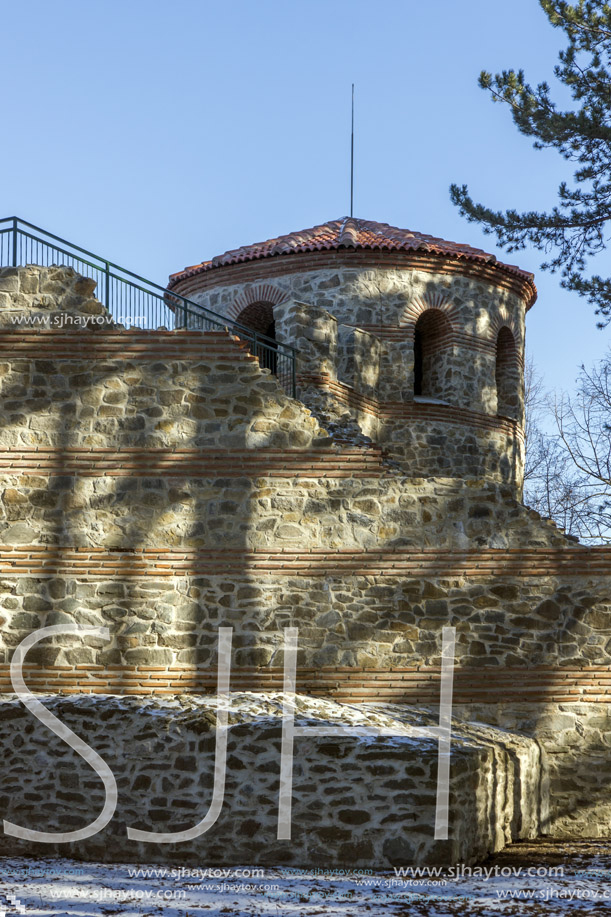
<point>413,341</point>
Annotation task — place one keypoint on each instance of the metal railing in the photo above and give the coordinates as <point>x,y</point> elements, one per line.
<point>132,300</point>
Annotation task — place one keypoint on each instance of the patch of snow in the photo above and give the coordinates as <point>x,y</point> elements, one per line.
<point>69,888</point>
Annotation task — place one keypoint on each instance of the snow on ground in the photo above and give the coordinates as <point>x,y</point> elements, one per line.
<point>45,886</point>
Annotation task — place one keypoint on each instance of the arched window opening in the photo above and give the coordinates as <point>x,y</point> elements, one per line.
<point>507,375</point>
<point>259,317</point>
<point>432,356</point>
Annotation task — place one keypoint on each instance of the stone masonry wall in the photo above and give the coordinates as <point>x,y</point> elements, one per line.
<point>577,740</point>
<point>356,801</point>
<point>424,436</point>
<point>316,299</point>
<point>161,484</point>
<point>385,299</point>
<point>371,295</point>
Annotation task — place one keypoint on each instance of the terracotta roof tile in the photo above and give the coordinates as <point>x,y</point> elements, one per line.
<point>349,232</point>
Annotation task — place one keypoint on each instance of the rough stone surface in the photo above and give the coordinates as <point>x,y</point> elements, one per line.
<point>357,800</point>
<point>162,484</point>
<point>356,325</point>
<point>577,741</point>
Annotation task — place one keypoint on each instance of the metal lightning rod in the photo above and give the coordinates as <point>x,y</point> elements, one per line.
<point>352,159</point>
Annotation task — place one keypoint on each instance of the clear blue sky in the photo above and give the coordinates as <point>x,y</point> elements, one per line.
<point>159,134</point>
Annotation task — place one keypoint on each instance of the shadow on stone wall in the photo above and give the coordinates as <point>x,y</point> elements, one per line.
<point>459,436</point>
<point>173,413</point>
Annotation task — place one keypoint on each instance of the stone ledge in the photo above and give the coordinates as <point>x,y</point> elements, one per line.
<point>162,753</point>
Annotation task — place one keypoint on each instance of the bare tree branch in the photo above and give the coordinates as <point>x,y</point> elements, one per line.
<point>568,472</point>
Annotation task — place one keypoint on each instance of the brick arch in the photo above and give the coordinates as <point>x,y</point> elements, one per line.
<point>420,304</point>
<point>259,293</point>
<point>504,320</point>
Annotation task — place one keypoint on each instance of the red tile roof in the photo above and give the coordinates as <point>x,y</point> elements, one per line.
<point>350,233</point>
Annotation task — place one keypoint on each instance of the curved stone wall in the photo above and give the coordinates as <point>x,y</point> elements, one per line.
<point>385,300</point>
<point>353,317</point>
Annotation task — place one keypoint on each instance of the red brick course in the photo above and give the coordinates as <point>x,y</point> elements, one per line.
<point>40,345</point>
<point>270,268</point>
<point>194,463</point>
<point>416,684</point>
<point>43,560</point>
<point>410,411</point>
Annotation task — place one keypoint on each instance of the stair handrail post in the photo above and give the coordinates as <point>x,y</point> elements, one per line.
<point>15,242</point>
<point>107,286</point>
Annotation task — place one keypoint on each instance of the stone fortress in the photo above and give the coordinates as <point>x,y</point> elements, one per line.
<point>163,484</point>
